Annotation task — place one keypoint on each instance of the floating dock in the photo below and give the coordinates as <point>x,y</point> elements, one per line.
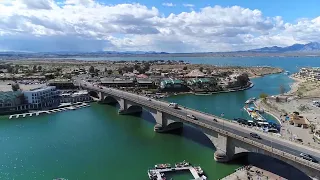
<point>72,107</point>
<point>158,174</point>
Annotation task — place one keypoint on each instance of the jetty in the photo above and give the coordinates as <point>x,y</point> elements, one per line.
<point>158,173</point>
<point>61,109</point>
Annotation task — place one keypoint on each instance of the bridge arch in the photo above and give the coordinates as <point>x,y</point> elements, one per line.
<point>94,94</point>
<point>134,109</point>
<point>110,100</point>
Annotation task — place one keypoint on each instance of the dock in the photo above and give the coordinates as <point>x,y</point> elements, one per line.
<point>191,169</point>
<point>30,114</point>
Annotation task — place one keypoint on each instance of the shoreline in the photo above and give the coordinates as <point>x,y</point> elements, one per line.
<point>211,93</point>
<point>293,89</point>
<point>294,86</point>
<point>267,111</point>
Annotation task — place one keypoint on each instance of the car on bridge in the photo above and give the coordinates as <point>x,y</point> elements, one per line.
<point>308,157</point>
<point>191,116</point>
<point>255,135</point>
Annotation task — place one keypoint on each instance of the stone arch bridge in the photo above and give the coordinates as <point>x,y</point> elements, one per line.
<point>229,138</point>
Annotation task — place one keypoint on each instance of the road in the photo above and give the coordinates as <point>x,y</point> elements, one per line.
<point>269,140</point>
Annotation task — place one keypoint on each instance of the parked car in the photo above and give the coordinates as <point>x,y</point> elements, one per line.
<point>255,135</point>
<point>149,99</point>
<point>308,157</point>
<point>191,116</point>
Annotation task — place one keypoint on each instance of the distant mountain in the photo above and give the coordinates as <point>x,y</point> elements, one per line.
<point>310,47</point>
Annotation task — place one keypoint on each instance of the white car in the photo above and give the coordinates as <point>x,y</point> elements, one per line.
<point>149,99</point>
<point>191,116</point>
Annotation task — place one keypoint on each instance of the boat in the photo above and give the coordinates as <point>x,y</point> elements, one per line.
<point>182,164</point>
<point>199,170</point>
<point>286,73</point>
<point>162,166</point>
<point>250,101</point>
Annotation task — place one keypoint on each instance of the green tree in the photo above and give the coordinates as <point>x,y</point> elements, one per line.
<point>39,68</point>
<point>243,79</point>
<point>105,69</point>
<point>34,68</point>
<point>91,69</point>
<point>185,67</point>
<point>136,67</point>
<point>16,70</point>
<point>15,87</point>
<point>209,71</point>
<point>263,95</point>
<point>300,94</point>
<point>201,69</point>
<point>109,72</point>
<point>9,69</point>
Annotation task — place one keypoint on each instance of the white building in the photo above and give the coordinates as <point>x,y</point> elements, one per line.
<point>79,96</point>
<point>42,97</point>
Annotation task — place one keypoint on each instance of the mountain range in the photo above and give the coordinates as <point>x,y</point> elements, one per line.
<point>310,47</point>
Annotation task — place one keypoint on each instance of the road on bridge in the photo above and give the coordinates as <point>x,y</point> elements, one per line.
<point>268,140</point>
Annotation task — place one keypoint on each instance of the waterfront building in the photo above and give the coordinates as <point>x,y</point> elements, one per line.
<point>117,82</point>
<point>62,83</point>
<point>202,81</point>
<point>11,102</point>
<point>298,120</point>
<point>173,85</point>
<point>146,83</point>
<point>79,96</point>
<point>46,96</point>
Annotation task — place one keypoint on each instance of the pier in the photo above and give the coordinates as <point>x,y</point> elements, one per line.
<point>30,114</point>
<point>158,173</point>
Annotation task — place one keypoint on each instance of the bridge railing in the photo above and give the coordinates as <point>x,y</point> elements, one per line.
<point>254,143</point>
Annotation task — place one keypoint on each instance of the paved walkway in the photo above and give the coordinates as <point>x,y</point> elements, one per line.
<point>252,173</point>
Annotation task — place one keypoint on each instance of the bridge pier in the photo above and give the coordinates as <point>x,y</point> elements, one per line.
<point>164,125</point>
<point>126,108</point>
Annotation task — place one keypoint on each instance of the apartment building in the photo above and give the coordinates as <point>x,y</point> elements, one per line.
<point>42,97</point>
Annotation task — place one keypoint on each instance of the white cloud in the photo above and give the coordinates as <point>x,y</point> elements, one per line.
<point>188,5</point>
<point>168,4</point>
<point>89,25</point>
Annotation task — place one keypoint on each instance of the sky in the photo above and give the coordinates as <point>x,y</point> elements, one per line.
<point>156,25</point>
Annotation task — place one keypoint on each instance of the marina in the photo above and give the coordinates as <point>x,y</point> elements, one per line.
<point>63,107</point>
<point>158,173</point>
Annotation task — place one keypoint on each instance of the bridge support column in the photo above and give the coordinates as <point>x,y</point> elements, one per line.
<point>101,96</point>
<point>124,109</point>
<point>224,150</point>
<point>162,123</point>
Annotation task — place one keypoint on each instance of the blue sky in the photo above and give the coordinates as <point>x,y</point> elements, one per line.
<point>152,25</point>
<point>290,10</point>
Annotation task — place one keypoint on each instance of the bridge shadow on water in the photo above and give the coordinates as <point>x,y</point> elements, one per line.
<point>194,135</point>
<point>275,166</point>
<point>186,131</point>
